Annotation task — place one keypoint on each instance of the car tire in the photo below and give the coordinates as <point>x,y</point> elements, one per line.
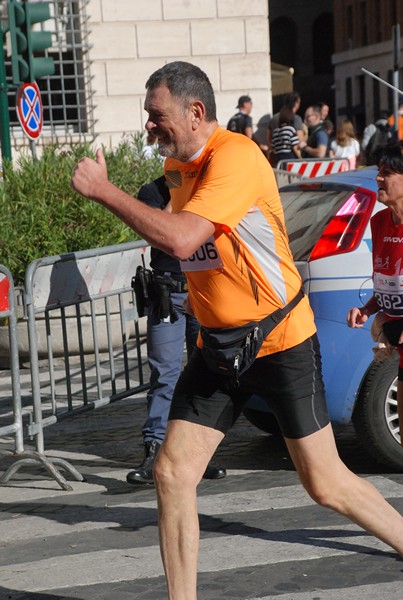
<point>264,421</point>
<point>375,415</point>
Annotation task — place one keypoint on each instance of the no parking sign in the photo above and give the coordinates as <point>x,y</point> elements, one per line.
<point>29,109</point>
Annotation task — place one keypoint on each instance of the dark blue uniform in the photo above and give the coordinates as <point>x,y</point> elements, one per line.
<point>165,339</point>
<point>165,343</point>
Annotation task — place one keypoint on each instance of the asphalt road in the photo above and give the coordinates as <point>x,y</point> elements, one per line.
<point>261,535</point>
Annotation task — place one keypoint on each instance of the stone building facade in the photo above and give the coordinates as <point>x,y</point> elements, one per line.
<point>301,37</point>
<point>105,50</point>
<point>364,38</point>
<point>130,39</point>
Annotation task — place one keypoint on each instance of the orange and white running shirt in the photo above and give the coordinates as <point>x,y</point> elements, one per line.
<point>245,271</point>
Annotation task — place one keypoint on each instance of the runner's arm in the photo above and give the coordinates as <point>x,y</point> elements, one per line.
<point>179,235</point>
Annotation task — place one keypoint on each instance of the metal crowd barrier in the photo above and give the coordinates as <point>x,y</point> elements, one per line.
<point>285,177</point>
<point>10,404</point>
<point>84,340</point>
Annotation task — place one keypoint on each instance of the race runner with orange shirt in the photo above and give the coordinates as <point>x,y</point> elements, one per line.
<point>237,276</point>
<point>227,228</point>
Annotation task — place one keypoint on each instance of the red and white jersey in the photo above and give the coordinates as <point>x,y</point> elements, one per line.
<point>387,257</point>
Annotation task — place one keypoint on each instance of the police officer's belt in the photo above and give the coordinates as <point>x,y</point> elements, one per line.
<point>178,282</point>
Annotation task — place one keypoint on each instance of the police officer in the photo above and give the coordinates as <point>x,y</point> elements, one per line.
<point>168,327</point>
<point>241,122</point>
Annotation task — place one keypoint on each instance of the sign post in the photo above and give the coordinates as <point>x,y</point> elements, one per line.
<point>30,112</point>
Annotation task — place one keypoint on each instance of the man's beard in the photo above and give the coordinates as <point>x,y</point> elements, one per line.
<point>169,149</point>
<point>166,148</point>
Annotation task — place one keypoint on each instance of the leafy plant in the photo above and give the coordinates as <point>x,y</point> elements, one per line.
<point>41,215</point>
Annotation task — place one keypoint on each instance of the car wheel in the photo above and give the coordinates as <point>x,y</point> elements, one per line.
<point>265,421</point>
<point>375,415</point>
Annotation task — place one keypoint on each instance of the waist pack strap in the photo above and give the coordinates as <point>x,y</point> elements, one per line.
<point>272,320</point>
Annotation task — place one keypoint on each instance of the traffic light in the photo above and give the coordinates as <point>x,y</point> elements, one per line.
<point>19,44</point>
<point>26,42</point>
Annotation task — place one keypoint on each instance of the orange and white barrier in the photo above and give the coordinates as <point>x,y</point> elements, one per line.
<point>314,168</point>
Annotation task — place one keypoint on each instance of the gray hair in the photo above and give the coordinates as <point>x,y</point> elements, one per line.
<point>186,82</point>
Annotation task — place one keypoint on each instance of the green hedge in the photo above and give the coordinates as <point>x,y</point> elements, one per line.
<point>41,215</point>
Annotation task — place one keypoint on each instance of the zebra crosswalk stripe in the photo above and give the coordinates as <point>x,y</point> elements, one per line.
<point>216,554</point>
<point>81,519</point>
<point>391,591</point>
<point>220,552</point>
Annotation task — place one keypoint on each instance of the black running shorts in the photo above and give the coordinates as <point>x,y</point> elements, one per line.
<point>289,381</point>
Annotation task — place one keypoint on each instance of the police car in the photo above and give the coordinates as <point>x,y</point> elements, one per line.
<point>328,226</point>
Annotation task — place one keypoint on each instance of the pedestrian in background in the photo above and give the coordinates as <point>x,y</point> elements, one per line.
<point>397,129</point>
<point>375,137</point>
<point>329,128</point>
<point>324,110</point>
<point>317,143</point>
<point>345,145</point>
<point>260,134</point>
<point>241,122</point>
<point>285,142</point>
<point>292,101</point>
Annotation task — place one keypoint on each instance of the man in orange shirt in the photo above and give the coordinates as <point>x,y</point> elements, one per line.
<point>227,229</point>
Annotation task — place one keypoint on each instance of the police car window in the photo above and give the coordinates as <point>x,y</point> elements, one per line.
<point>307,213</point>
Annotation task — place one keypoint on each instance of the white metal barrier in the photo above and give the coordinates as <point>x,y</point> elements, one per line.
<point>85,347</point>
<point>285,177</point>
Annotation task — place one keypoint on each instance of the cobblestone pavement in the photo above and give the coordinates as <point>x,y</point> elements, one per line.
<point>261,536</point>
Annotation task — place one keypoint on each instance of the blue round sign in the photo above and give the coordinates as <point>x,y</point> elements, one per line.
<point>29,109</point>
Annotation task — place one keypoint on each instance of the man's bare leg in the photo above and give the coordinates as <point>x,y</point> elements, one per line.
<point>331,484</point>
<point>179,467</point>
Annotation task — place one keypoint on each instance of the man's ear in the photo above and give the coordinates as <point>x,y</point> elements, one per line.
<point>198,111</point>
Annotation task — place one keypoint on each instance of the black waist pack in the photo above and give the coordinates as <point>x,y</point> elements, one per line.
<point>230,351</point>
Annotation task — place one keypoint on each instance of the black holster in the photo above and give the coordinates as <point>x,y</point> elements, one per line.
<point>154,290</point>
<point>163,286</point>
<point>141,284</point>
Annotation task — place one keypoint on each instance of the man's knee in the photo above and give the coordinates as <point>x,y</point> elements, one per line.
<point>330,490</point>
<point>320,494</point>
<point>174,474</point>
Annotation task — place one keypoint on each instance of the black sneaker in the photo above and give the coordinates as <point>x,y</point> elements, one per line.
<point>214,471</point>
<point>144,474</point>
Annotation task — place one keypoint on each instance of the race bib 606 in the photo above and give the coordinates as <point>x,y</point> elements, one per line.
<point>205,258</point>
